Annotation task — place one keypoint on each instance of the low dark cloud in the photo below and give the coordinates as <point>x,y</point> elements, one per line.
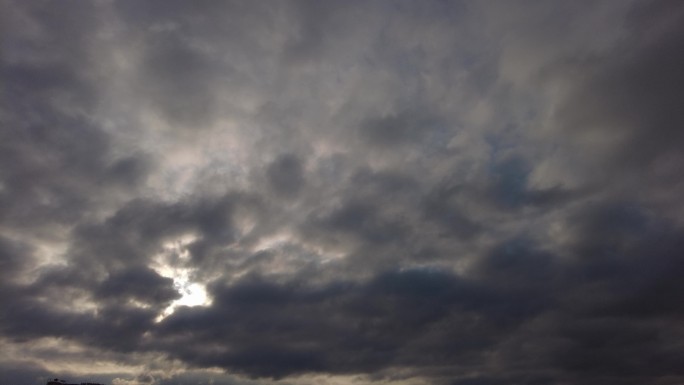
<point>18,372</point>
<point>413,192</point>
<point>286,175</point>
<point>394,319</point>
<point>142,284</point>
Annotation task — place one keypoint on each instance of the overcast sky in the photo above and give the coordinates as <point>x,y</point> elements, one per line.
<point>342,192</point>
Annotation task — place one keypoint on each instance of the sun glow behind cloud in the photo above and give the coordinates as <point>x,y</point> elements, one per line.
<point>171,262</point>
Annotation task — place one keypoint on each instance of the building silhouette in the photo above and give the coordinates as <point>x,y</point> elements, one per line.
<point>57,381</point>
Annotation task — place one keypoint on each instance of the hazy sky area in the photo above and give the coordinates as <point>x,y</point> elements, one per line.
<point>342,192</point>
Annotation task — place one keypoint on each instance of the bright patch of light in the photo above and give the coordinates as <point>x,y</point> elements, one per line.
<point>272,242</point>
<point>192,294</point>
<point>171,263</point>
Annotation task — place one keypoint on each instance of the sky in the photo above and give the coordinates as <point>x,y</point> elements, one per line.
<point>342,192</point>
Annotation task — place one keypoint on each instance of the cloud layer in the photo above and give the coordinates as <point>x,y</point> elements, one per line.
<point>342,192</point>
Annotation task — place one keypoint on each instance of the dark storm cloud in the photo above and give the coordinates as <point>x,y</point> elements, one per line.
<point>406,127</point>
<point>110,270</point>
<point>384,183</point>
<point>412,317</point>
<point>117,327</point>
<point>461,193</point>
<point>178,80</point>
<point>142,284</point>
<point>611,301</point>
<point>286,175</point>
<point>632,95</point>
<point>139,230</point>
<point>506,188</point>
<point>57,163</point>
<point>15,257</point>
<point>361,220</point>
<point>58,166</point>
<point>193,58</point>
<point>18,372</point>
<point>634,253</point>
<point>440,208</point>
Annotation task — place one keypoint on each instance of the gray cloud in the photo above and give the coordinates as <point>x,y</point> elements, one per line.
<point>286,175</point>
<point>411,192</point>
<point>138,283</point>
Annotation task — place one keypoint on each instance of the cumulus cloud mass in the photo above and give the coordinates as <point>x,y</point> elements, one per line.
<point>342,192</point>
